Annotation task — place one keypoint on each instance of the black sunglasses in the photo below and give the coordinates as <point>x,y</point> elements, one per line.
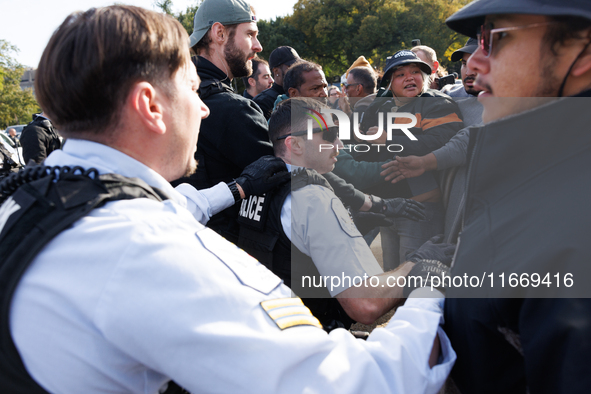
<point>329,135</point>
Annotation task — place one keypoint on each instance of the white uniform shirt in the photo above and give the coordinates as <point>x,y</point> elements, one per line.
<point>138,292</point>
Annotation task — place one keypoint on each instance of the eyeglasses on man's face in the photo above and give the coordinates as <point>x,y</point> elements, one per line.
<point>486,34</point>
<point>347,85</point>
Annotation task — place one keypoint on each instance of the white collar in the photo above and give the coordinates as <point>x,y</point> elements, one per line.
<point>88,154</point>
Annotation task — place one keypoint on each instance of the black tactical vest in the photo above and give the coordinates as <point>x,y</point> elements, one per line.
<point>37,204</point>
<point>262,236</point>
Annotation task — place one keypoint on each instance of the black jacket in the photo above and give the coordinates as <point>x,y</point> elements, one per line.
<point>527,211</point>
<point>39,139</point>
<point>231,137</point>
<point>234,135</point>
<point>14,139</point>
<point>266,99</point>
<point>438,119</point>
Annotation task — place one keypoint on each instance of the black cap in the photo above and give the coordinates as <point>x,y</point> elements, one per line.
<point>402,58</point>
<point>283,55</point>
<point>467,20</point>
<point>470,47</point>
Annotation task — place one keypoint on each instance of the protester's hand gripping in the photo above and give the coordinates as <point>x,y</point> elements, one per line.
<point>432,260</point>
<point>433,249</point>
<point>398,208</point>
<point>426,273</point>
<point>263,175</point>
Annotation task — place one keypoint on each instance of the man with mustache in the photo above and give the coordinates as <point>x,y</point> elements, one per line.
<point>305,79</point>
<point>527,203</point>
<point>235,134</point>
<point>468,75</point>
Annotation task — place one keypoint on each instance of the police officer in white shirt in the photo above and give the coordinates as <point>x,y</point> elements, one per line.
<point>138,293</point>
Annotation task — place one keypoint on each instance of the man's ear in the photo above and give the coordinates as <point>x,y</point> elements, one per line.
<point>294,146</point>
<point>145,102</point>
<point>435,67</point>
<point>218,33</point>
<point>583,65</point>
<point>293,92</point>
<point>252,82</point>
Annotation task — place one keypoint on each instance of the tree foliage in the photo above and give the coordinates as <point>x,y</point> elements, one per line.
<point>185,17</point>
<point>334,33</point>
<point>16,106</point>
<point>279,32</point>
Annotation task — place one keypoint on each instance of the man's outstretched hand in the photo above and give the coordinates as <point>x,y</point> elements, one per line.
<point>263,175</point>
<point>408,167</point>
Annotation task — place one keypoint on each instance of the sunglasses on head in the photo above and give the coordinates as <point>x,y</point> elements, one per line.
<point>329,135</point>
<point>486,34</point>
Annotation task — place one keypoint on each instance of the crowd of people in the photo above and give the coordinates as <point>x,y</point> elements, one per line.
<point>220,242</point>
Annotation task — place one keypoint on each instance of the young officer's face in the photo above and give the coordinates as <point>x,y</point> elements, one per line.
<point>319,154</point>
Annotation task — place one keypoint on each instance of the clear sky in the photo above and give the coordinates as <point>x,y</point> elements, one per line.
<point>28,24</point>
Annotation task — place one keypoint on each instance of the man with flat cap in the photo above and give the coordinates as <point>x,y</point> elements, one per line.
<point>279,61</point>
<point>527,204</point>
